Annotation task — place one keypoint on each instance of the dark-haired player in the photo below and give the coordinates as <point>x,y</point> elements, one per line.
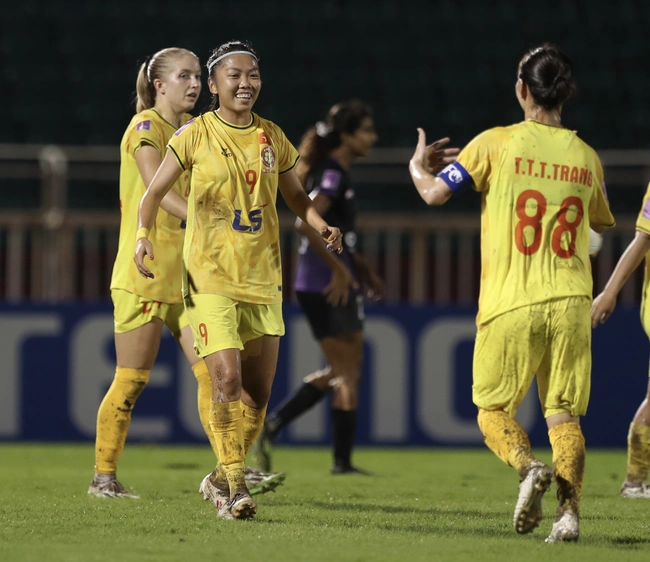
<point>542,189</point>
<point>330,288</point>
<point>233,279</point>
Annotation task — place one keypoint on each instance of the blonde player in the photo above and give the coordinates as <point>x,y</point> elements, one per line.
<point>168,86</point>
<point>233,279</point>
<point>542,188</point>
<point>638,439</point>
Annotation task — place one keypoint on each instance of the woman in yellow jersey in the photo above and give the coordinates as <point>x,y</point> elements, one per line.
<point>168,86</point>
<point>542,188</point>
<point>638,439</point>
<point>233,278</point>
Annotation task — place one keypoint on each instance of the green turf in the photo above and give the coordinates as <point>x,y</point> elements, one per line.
<point>421,505</point>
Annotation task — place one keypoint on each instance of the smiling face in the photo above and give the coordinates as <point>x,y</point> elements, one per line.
<point>236,80</point>
<point>181,86</point>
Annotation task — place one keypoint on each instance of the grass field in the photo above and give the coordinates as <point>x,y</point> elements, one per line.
<point>421,505</point>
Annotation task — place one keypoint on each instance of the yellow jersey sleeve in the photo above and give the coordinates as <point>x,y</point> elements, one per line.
<point>144,130</point>
<point>476,163</point>
<point>183,143</point>
<point>286,153</point>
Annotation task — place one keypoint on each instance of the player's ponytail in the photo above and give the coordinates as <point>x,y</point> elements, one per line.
<point>314,148</point>
<point>319,140</point>
<point>155,67</point>
<point>548,74</point>
<point>145,92</point>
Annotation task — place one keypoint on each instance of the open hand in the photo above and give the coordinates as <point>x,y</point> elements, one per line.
<point>434,157</point>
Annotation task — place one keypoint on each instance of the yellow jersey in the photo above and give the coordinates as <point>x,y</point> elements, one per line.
<point>233,238</point>
<point>541,188</point>
<point>148,127</point>
<point>643,224</point>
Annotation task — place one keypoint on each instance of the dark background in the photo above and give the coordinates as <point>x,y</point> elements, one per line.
<point>69,68</point>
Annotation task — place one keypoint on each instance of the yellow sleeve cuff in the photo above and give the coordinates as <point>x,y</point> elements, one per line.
<point>142,233</point>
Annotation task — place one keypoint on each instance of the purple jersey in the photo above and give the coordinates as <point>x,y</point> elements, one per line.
<point>312,273</point>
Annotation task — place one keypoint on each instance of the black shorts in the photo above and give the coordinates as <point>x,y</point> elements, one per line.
<point>328,321</point>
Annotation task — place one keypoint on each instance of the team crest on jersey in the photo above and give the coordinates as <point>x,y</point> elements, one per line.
<point>143,126</point>
<point>268,158</point>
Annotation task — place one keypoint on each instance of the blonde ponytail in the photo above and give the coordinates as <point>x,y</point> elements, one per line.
<point>155,67</point>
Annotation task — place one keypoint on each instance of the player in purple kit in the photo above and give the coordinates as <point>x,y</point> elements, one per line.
<point>330,288</point>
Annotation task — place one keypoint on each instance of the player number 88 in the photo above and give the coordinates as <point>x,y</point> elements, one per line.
<point>535,222</point>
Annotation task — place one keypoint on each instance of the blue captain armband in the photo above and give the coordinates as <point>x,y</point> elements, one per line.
<point>456,177</point>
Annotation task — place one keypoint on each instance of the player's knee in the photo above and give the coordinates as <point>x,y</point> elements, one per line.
<point>258,397</point>
<point>321,379</point>
<point>345,389</point>
<point>229,381</point>
<point>133,382</point>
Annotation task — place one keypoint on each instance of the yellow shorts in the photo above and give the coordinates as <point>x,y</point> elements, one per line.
<point>132,311</point>
<point>220,323</point>
<point>551,340</point>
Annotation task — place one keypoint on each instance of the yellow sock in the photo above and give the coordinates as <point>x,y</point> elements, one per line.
<point>568,446</point>
<point>638,452</point>
<point>227,424</point>
<point>505,438</point>
<point>204,396</point>
<point>253,423</point>
<point>114,417</point>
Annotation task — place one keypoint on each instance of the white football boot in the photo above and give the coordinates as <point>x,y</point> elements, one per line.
<point>528,512</point>
<point>219,498</point>
<point>107,486</point>
<point>635,491</point>
<point>565,529</point>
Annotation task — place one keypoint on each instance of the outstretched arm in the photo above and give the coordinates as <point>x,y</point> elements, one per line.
<point>605,303</point>
<point>302,206</point>
<point>168,173</point>
<point>425,162</point>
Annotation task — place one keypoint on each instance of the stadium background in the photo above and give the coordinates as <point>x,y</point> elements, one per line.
<point>68,70</point>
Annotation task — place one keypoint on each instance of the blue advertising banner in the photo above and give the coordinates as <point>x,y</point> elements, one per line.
<point>57,362</point>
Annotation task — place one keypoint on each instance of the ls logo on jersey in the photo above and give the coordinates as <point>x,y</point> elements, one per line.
<point>268,159</point>
<point>254,219</point>
<point>143,126</point>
